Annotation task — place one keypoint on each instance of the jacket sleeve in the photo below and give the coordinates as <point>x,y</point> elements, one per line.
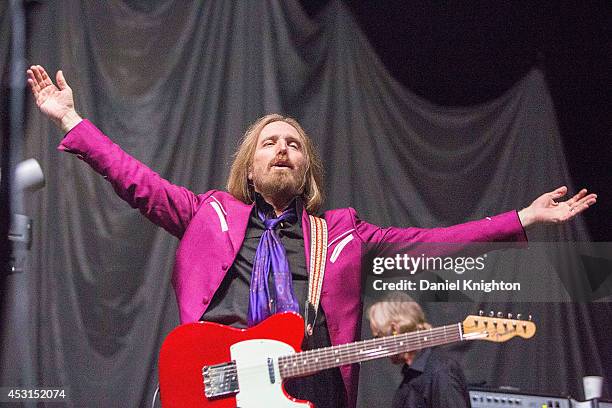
<point>502,228</point>
<point>167,205</point>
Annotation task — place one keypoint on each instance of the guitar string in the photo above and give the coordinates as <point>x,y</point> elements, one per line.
<point>293,371</point>
<point>409,339</point>
<point>335,359</point>
<point>327,355</point>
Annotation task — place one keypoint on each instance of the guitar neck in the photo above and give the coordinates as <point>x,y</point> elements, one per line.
<point>312,361</point>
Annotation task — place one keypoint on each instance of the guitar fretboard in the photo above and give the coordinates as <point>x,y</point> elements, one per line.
<point>312,361</point>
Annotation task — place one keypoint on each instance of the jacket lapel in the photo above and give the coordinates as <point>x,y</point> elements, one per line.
<point>237,224</point>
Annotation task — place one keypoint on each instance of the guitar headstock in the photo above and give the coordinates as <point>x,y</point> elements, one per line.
<point>497,328</point>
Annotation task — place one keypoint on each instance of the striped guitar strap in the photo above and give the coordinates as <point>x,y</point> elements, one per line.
<point>318,255</point>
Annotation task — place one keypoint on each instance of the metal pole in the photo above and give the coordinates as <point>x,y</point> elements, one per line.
<point>19,282</point>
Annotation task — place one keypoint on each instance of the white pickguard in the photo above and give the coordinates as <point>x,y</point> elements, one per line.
<point>256,389</point>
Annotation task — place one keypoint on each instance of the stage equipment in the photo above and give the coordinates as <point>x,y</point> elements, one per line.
<point>502,398</point>
<point>489,398</point>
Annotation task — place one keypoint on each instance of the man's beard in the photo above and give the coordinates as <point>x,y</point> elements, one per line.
<point>282,185</point>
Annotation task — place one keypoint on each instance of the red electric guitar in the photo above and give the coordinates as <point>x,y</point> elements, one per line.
<point>211,365</point>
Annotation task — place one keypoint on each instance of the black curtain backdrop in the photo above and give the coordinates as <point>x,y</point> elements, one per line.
<point>468,54</point>
<point>176,84</point>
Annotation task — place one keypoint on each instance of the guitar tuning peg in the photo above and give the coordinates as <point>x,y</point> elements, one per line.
<point>500,314</point>
<point>509,315</point>
<point>518,316</point>
<point>491,313</point>
<point>480,313</point>
<point>529,318</point>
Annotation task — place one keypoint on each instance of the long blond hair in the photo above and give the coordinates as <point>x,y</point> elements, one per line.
<point>397,313</point>
<point>238,183</point>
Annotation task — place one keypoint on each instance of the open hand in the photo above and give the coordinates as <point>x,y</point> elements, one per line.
<point>547,210</point>
<point>54,101</point>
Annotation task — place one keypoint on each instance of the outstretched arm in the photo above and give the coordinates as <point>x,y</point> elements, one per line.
<point>506,227</point>
<point>164,203</point>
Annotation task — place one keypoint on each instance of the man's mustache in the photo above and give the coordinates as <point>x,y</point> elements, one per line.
<point>281,161</point>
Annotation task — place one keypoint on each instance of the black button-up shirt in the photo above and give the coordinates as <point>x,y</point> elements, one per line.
<point>433,380</point>
<point>229,305</point>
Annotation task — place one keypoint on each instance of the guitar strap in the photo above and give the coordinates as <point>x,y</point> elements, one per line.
<point>318,255</point>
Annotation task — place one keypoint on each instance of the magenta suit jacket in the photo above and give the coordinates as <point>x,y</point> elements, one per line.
<point>211,228</point>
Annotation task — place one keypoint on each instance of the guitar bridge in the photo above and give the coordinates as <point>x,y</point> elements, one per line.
<point>220,379</point>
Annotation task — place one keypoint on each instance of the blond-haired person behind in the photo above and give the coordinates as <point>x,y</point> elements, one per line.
<point>431,378</point>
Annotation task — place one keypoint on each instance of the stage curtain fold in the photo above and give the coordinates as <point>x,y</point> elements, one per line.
<point>176,84</point>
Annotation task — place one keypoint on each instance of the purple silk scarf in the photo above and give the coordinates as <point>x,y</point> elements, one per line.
<point>271,257</point>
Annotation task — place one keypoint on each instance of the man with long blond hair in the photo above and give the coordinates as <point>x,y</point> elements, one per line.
<point>244,254</point>
<point>431,378</point>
